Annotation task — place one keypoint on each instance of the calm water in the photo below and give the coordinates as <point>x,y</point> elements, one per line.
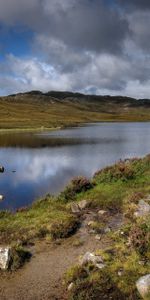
<point>42,163</point>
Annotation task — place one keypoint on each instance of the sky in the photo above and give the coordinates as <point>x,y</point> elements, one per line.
<point>89,46</point>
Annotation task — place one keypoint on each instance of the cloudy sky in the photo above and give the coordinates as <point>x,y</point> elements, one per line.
<point>91,46</point>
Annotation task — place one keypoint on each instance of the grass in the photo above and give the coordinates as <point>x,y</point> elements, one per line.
<point>115,188</point>
<point>31,110</point>
<point>109,189</point>
<point>119,187</point>
<point>36,221</point>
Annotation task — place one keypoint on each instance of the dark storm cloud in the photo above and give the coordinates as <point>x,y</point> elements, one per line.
<point>89,25</point>
<point>140,4</point>
<point>85,45</point>
<point>82,23</point>
<point>139,23</point>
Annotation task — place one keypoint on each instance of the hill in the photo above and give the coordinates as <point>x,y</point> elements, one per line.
<point>35,109</point>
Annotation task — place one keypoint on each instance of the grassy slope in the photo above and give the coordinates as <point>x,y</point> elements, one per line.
<point>111,189</point>
<point>117,189</point>
<point>34,110</point>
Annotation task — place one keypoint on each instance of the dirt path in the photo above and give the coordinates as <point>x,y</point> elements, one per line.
<point>41,278</point>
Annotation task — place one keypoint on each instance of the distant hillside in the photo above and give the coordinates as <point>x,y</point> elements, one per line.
<point>35,109</point>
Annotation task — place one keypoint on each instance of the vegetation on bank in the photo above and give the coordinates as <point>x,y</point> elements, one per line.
<point>118,188</point>
<point>59,109</point>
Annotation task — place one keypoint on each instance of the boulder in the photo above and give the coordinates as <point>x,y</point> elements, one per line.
<point>83,204</point>
<point>143,209</point>
<point>2,169</point>
<point>96,260</point>
<point>4,258</point>
<point>143,286</point>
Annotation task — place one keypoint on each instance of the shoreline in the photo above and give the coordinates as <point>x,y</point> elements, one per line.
<point>66,126</point>
<point>97,216</point>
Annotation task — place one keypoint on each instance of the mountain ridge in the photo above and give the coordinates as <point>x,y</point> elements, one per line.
<point>35,109</point>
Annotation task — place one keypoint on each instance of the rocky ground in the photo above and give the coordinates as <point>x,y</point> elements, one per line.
<point>92,242</point>
<point>42,277</point>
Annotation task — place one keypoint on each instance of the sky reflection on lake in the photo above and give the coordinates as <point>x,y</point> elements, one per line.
<point>33,172</point>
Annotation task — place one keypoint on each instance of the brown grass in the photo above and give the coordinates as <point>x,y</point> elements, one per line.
<point>35,111</point>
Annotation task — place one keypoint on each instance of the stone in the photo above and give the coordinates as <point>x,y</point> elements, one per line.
<point>75,208</point>
<point>143,209</point>
<point>91,223</point>
<point>92,231</point>
<point>96,260</point>
<point>4,258</point>
<point>107,230</point>
<point>83,204</point>
<point>102,213</point>
<point>98,237</point>
<point>120,272</point>
<point>143,286</point>
<point>1,197</point>
<point>2,169</point>
<point>70,286</point>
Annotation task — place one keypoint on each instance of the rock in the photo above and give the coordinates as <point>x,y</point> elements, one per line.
<point>120,272</point>
<point>143,209</point>
<point>1,197</point>
<point>2,169</point>
<point>142,262</point>
<point>83,204</point>
<point>75,208</point>
<point>70,286</point>
<point>107,230</point>
<point>91,223</point>
<point>143,286</point>
<point>102,213</point>
<point>96,260</point>
<point>4,258</point>
<point>98,237</point>
<point>92,231</point>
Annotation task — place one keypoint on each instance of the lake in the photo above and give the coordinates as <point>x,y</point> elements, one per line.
<point>44,162</point>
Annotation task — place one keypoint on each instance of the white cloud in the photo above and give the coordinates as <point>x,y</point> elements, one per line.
<point>79,45</point>
<point>102,74</point>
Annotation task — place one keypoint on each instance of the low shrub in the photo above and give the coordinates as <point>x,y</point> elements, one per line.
<point>42,232</point>
<point>64,229</point>
<point>90,283</point>
<point>19,256</point>
<point>77,185</point>
<point>135,197</point>
<point>122,170</point>
<point>139,237</point>
<point>22,209</point>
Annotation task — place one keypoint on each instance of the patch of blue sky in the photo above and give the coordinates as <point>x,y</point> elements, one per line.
<point>15,40</point>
